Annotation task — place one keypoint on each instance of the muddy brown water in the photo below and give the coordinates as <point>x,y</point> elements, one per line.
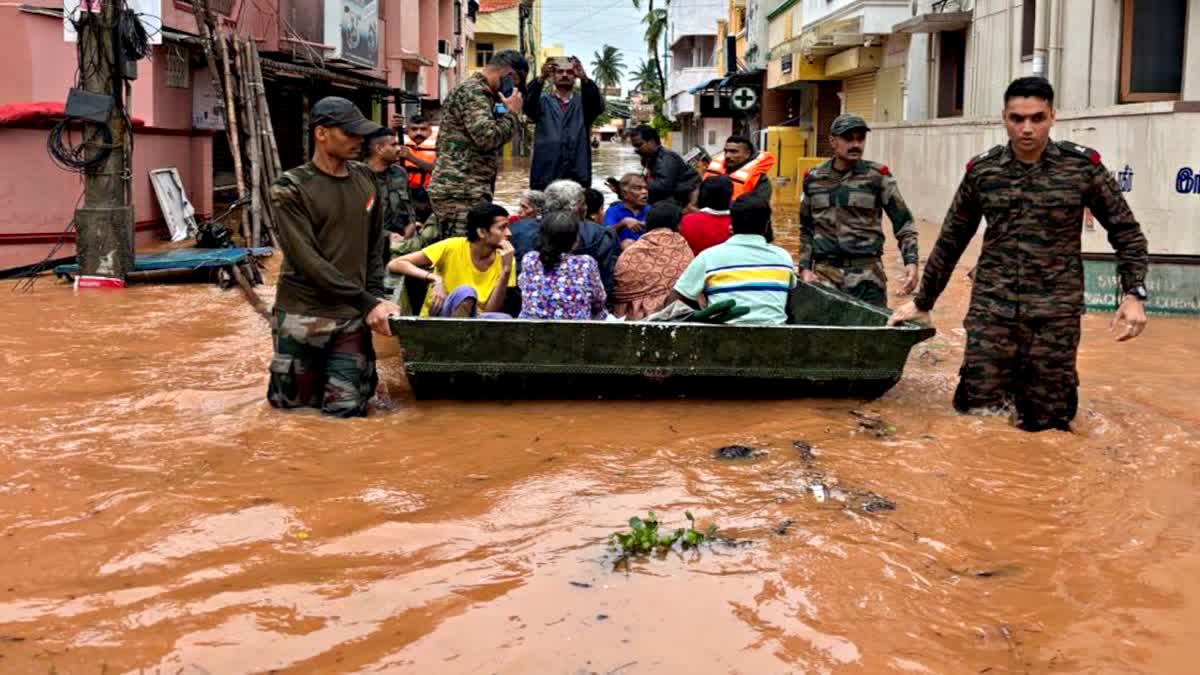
<point>157,516</point>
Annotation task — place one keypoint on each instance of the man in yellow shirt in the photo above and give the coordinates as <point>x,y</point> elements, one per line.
<point>466,275</point>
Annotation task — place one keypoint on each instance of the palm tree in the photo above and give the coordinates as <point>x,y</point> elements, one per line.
<point>608,65</point>
<point>656,27</point>
<point>645,79</point>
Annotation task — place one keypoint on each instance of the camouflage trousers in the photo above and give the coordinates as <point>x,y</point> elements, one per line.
<point>1024,367</point>
<point>322,363</point>
<point>862,278</point>
<point>451,214</point>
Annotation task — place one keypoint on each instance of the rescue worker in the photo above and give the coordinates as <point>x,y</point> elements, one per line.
<point>1023,325</point>
<point>383,156</point>
<point>420,151</point>
<point>478,118</point>
<point>746,167</point>
<point>330,290</point>
<point>841,231</point>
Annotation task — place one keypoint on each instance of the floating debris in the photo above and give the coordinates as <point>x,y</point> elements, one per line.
<point>805,449</point>
<point>738,452</point>
<point>782,528</point>
<point>874,424</point>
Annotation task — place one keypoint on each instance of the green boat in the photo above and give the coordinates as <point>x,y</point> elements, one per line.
<point>832,346</point>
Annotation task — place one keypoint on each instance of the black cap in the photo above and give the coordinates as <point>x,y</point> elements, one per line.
<point>335,111</point>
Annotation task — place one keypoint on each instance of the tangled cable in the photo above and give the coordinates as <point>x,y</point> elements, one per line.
<point>131,36</point>
<point>71,156</point>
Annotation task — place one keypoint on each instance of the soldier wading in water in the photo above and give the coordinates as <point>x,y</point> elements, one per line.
<point>841,231</point>
<point>1023,325</point>
<point>329,298</point>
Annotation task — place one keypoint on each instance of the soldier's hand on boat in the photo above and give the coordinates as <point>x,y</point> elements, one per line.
<point>377,318</point>
<point>910,280</point>
<point>514,103</point>
<point>908,312</point>
<point>809,277</point>
<point>1132,313</point>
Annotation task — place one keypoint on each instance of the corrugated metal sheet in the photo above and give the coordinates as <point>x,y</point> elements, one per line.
<point>860,95</point>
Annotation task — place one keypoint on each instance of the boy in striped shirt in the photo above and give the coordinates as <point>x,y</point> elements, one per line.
<point>745,269</point>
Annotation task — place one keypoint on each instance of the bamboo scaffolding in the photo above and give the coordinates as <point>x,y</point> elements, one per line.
<point>231,126</point>
<point>253,142</point>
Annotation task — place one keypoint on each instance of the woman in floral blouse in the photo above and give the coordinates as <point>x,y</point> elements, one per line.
<point>556,284</point>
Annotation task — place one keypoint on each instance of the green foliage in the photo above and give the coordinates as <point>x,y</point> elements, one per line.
<point>645,536</point>
<point>645,80</point>
<point>608,65</point>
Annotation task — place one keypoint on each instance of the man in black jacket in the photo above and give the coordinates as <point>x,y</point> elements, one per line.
<point>564,118</point>
<point>667,175</point>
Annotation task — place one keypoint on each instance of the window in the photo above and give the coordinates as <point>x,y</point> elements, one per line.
<point>483,53</point>
<point>1152,36</point>
<point>712,137</point>
<point>952,59</point>
<point>179,69</point>
<point>1028,25</point>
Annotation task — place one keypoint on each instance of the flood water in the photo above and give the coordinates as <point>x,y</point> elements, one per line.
<point>157,516</point>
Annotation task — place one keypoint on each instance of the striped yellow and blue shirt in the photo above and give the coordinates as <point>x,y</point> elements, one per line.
<point>747,270</point>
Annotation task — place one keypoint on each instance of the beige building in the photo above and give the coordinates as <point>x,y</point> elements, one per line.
<point>506,24</point>
<point>1127,80</point>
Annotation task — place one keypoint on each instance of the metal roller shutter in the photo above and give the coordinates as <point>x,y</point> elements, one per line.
<point>860,95</point>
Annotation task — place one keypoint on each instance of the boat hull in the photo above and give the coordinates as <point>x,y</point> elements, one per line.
<point>523,359</point>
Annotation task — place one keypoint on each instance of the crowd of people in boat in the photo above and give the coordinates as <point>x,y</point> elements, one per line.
<point>565,256</point>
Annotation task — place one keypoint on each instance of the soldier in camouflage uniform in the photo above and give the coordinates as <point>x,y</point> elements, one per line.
<point>383,156</point>
<point>1023,325</point>
<point>330,290</point>
<point>478,118</point>
<point>841,233</point>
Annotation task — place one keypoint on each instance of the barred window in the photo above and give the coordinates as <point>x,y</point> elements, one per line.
<point>179,69</point>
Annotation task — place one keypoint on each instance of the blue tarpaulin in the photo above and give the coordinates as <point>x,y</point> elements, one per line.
<point>183,259</point>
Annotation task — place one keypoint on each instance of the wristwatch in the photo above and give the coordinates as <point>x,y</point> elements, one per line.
<point>1138,292</point>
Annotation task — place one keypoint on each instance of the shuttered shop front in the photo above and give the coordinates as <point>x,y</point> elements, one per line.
<point>860,96</point>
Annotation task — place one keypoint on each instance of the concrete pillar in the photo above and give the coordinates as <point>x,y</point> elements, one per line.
<point>916,79</point>
<point>1191,53</point>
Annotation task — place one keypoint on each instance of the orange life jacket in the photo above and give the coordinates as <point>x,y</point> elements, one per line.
<point>427,150</point>
<point>747,177</point>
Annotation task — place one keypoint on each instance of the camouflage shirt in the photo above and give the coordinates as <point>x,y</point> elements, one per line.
<point>331,235</point>
<point>469,141</point>
<point>840,214</point>
<point>392,183</point>
<point>1030,264</point>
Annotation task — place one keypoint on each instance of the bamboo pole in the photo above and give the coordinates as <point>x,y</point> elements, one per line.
<point>269,150</point>
<point>248,292</point>
<point>240,48</point>
<point>264,114</point>
<point>231,127</point>
<point>276,165</point>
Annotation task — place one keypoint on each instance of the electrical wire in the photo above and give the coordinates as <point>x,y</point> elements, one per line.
<point>129,36</point>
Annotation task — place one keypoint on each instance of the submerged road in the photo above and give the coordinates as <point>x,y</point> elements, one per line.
<point>157,516</point>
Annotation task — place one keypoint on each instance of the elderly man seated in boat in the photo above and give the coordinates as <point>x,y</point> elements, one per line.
<point>754,274</point>
<point>595,241</point>
<point>469,275</point>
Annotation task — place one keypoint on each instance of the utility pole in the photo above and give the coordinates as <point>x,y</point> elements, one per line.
<point>104,224</point>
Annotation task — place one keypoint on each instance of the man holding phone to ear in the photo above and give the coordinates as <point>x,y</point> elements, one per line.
<point>478,118</point>
<point>562,147</point>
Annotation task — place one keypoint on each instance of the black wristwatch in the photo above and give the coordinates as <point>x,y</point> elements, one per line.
<point>1138,292</point>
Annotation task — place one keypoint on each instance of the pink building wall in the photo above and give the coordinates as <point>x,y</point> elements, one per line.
<point>37,199</point>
